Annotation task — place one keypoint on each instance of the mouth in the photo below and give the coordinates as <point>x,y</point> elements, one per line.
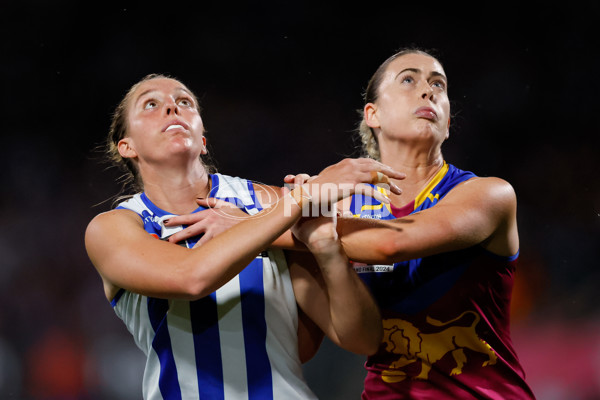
<point>426,113</point>
<point>175,125</point>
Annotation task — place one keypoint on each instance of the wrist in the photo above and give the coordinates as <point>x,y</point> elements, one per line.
<point>300,195</point>
<point>325,247</point>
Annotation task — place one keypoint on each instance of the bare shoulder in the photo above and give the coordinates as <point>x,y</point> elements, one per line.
<point>496,199</point>
<point>494,191</point>
<point>111,220</point>
<point>103,235</point>
<point>108,228</point>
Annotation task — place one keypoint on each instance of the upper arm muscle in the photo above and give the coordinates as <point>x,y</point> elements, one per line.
<point>473,213</point>
<point>126,256</point>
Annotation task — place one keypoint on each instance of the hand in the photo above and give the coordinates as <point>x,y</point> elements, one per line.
<point>318,234</point>
<point>298,180</point>
<point>351,176</point>
<point>291,181</point>
<point>220,216</point>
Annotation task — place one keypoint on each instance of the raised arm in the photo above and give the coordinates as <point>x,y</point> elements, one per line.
<point>221,215</point>
<point>127,257</point>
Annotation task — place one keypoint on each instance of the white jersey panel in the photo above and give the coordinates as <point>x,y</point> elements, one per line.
<point>231,333</point>
<point>282,325</point>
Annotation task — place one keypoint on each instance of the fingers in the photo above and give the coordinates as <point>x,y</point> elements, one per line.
<point>289,178</point>
<point>211,202</point>
<point>381,176</point>
<point>367,190</point>
<point>187,219</point>
<point>380,167</point>
<point>333,182</point>
<point>296,180</point>
<point>189,232</point>
<point>205,238</point>
<point>380,179</point>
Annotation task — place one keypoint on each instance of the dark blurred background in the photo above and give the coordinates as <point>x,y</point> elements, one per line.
<point>280,85</point>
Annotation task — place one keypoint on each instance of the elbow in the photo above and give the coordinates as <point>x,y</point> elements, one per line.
<point>366,347</point>
<point>390,251</point>
<point>374,342</point>
<point>195,291</point>
<point>368,343</point>
<point>192,287</point>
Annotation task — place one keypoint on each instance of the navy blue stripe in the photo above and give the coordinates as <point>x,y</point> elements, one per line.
<point>214,185</point>
<point>252,193</point>
<point>258,367</point>
<point>115,299</point>
<point>207,347</point>
<point>167,381</point>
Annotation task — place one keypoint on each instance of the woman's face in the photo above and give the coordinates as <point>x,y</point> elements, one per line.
<point>163,121</point>
<point>412,100</point>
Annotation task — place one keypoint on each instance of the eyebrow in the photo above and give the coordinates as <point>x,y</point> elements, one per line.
<point>145,92</point>
<point>416,70</point>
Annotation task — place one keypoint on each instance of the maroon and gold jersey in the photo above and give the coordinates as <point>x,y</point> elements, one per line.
<point>445,317</point>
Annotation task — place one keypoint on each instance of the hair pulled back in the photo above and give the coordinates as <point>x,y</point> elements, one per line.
<point>370,146</point>
<point>118,130</point>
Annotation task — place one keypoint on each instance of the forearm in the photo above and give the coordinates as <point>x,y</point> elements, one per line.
<point>287,241</point>
<point>250,238</point>
<point>391,241</point>
<point>354,315</point>
<point>369,241</point>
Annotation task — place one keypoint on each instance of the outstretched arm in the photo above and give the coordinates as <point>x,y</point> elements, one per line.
<point>221,215</point>
<point>329,291</point>
<point>480,211</point>
<point>127,257</point>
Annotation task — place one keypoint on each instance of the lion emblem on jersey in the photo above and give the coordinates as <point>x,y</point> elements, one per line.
<point>411,345</point>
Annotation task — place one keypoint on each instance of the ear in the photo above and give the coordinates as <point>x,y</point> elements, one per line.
<point>448,130</point>
<point>204,149</point>
<point>125,147</point>
<point>370,115</point>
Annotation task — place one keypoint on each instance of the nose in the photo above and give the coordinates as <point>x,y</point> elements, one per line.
<point>171,108</point>
<point>427,93</point>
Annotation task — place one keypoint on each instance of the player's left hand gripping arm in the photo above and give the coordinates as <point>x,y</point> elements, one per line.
<point>221,215</point>
<point>330,292</point>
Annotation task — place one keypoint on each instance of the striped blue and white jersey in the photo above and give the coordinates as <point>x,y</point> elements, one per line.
<point>239,342</point>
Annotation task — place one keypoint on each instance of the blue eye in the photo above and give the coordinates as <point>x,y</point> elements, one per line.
<point>439,84</point>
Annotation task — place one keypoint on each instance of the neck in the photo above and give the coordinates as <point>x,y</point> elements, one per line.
<point>420,166</point>
<point>176,190</point>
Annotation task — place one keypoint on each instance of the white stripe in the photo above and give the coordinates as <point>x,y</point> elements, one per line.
<point>150,389</point>
<point>136,204</point>
<point>236,187</point>
<point>281,314</point>
<point>231,333</point>
<point>182,343</point>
